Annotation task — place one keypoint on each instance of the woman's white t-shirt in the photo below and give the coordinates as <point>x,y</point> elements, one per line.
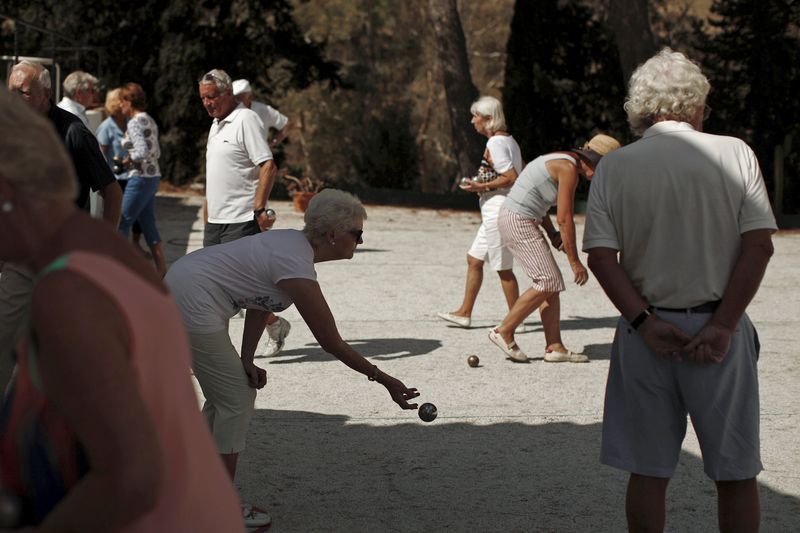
<point>211,285</point>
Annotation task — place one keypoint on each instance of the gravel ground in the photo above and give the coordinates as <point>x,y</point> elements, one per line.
<point>515,446</point>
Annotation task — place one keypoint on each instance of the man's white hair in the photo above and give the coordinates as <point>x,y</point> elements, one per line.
<point>33,160</point>
<point>42,76</point>
<point>667,86</point>
<point>78,81</point>
<point>217,77</point>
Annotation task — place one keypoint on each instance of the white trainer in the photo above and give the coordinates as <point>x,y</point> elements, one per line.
<point>277,333</point>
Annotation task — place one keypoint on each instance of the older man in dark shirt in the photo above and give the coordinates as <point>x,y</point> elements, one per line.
<point>31,81</point>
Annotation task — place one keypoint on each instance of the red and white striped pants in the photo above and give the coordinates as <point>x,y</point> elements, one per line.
<point>525,240</point>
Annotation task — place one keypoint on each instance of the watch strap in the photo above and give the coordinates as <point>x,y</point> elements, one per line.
<point>641,317</point>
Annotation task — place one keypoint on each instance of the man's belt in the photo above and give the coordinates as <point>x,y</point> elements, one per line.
<point>708,307</point>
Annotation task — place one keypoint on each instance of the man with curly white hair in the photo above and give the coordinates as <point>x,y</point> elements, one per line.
<point>689,216</point>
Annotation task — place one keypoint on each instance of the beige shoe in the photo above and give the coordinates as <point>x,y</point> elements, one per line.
<point>512,351</point>
<point>463,321</point>
<point>565,357</point>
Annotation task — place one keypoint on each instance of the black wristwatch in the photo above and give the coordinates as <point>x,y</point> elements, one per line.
<point>257,212</point>
<point>641,317</point>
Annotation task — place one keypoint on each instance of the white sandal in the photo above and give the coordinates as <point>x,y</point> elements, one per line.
<point>512,351</point>
<point>564,357</point>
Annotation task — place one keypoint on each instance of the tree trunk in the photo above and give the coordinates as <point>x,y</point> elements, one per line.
<point>459,90</point>
<point>629,20</point>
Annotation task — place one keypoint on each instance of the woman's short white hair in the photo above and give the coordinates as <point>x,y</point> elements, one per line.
<point>666,86</point>
<point>331,210</point>
<point>33,160</point>
<point>491,109</point>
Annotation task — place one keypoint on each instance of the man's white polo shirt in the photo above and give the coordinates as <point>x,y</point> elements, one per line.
<point>271,117</point>
<point>68,104</point>
<point>236,147</point>
<point>675,204</point>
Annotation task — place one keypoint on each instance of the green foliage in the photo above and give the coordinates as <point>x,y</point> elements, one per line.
<point>562,77</point>
<point>361,133</point>
<point>675,25</point>
<point>386,155</point>
<point>167,46</point>
<point>753,62</point>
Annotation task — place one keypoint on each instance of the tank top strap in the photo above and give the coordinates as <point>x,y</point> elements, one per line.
<point>59,263</point>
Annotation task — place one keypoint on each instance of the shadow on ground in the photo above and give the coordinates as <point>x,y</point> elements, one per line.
<point>328,473</point>
<point>378,349</point>
<point>175,218</point>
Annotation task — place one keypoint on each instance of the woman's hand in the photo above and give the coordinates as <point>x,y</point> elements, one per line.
<point>256,377</point>
<point>399,392</point>
<point>581,274</point>
<point>472,186</point>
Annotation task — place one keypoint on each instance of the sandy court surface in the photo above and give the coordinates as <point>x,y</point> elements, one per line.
<point>515,446</point>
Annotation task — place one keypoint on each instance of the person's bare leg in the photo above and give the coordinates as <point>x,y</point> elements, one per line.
<point>229,460</point>
<point>550,311</point>
<point>739,507</point>
<point>471,287</point>
<point>136,237</point>
<point>527,303</point>
<point>157,251</point>
<point>645,503</point>
<point>510,286</point>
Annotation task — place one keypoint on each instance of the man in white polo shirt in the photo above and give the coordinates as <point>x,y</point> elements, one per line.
<point>240,173</point>
<point>270,117</point>
<point>80,92</point>
<point>688,214</point>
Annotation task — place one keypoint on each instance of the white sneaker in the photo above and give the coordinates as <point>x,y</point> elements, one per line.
<point>254,516</point>
<point>277,333</point>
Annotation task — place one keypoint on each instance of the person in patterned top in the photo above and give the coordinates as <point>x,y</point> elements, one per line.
<point>144,175</point>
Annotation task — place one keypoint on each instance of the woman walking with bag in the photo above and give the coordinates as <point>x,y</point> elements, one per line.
<point>502,162</point>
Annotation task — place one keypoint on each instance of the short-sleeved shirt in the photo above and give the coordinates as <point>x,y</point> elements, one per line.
<point>535,191</point>
<point>211,285</point>
<point>505,154</point>
<point>236,146</point>
<point>68,104</point>
<point>109,134</point>
<point>270,117</point>
<point>675,204</point>
<point>84,151</point>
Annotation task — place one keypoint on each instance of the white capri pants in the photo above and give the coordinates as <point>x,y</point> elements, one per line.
<point>230,401</point>
<point>488,246</point>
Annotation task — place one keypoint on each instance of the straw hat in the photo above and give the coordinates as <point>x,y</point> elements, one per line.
<point>597,147</point>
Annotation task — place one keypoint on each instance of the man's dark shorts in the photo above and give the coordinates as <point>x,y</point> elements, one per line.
<point>222,233</point>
